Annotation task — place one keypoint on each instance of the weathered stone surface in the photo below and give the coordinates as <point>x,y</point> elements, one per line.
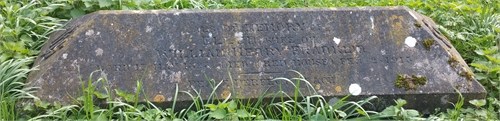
<point>387,51</point>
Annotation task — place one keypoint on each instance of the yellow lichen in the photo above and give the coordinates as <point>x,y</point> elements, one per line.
<point>225,94</point>
<point>159,98</point>
<point>338,88</point>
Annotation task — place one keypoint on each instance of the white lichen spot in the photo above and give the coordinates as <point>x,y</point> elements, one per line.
<point>169,99</point>
<point>74,64</point>
<point>172,46</point>
<point>64,55</point>
<point>175,76</point>
<point>355,89</point>
<point>239,35</point>
<point>382,51</point>
<point>89,32</point>
<point>320,91</point>
<point>290,20</point>
<point>373,23</point>
<point>410,41</point>
<point>176,13</point>
<point>148,29</point>
<point>210,34</point>
<point>163,74</point>
<point>386,67</point>
<point>98,52</point>
<point>336,40</point>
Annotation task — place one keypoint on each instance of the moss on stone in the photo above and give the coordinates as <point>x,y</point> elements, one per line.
<point>399,81</point>
<point>410,82</point>
<point>452,59</point>
<point>417,24</point>
<point>428,43</point>
<point>419,80</point>
<point>467,74</point>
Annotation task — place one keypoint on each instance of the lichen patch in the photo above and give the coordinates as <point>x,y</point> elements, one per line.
<point>159,98</point>
<point>373,24</point>
<point>336,40</point>
<point>148,29</point>
<point>239,36</point>
<point>89,32</point>
<point>355,89</point>
<point>98,52</point>
<point>65,55</point>
<point>410,41</point>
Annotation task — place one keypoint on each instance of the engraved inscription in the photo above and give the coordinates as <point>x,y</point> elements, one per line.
<point>272,45</point>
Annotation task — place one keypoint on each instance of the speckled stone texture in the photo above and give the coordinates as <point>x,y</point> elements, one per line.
<point>332,47</point>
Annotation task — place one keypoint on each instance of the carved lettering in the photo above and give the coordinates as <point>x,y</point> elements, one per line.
<point>274,27</point>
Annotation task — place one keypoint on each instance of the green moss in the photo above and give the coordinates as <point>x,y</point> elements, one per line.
<point>419,80</point>
<point>428,43</point>
<point>410,82</point>
<point>452,59</point>
<point>467,74</point>
<point>417,24</point>
<point>399,81</point>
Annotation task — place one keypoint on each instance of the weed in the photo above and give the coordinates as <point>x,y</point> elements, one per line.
<point>313,106</point>
<point>25,28</point>
<point>12,76</point>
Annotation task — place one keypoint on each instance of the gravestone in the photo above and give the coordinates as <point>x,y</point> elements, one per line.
<point>390,52</point>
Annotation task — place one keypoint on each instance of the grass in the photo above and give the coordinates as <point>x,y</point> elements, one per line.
<point>13,73</point>
<point>25,28</point>
<point>313,107</point>
<point>473,28</point>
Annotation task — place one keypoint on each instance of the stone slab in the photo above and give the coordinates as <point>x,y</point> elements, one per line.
<point>391,52</point>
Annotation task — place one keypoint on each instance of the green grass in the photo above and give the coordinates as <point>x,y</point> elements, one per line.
<point>25,27</point>
<point>13,73</point>
<point>472,26</point>
<point>313,107</point>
